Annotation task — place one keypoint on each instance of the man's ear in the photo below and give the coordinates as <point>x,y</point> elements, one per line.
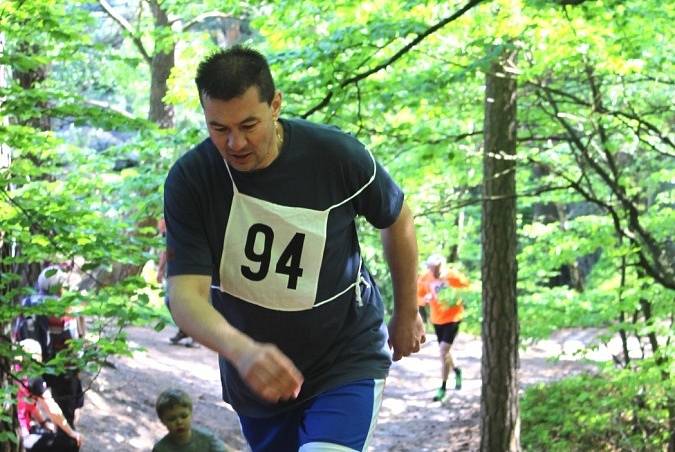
<point>277,100</point>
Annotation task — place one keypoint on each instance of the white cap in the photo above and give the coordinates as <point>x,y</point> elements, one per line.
<point>56,278</point>
<point>435,259</point>
<point>32,347</point>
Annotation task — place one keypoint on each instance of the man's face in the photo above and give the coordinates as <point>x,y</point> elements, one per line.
<point>243,129</point>
<point>178,421</point>
<point>435,269</point>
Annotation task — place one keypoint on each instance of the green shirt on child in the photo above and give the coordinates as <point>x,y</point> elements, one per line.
<point>202,440</point>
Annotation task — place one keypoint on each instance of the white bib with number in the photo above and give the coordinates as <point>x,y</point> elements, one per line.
<point>272,254</point>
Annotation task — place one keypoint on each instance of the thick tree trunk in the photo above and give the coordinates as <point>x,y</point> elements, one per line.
<point>500,418</point>
<point>160,68</point>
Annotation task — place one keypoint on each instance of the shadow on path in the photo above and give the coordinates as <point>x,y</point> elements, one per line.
<point>119,409</point>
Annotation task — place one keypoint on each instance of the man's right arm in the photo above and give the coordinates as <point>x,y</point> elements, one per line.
<point>264,368</point>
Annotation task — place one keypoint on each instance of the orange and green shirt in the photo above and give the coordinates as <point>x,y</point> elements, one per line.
<point>441,294</point>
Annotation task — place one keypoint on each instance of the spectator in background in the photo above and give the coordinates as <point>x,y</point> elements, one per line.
<point>161,279</point>
<point>65,387</point>
<point>71,282</point>
<point>42,425</point>
<point>174,408</point>
<point>439,290</point>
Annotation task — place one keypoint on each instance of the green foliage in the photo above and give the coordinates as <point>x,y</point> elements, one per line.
<point>595,159</point>
<point>610,411</point>
<point>62,200</point>
<point>8,436</point>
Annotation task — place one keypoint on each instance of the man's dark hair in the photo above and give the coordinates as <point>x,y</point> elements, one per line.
<point>228,73</point>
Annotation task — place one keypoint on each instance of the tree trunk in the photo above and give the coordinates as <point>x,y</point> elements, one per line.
<point>5,248</point>
<point>163,61</point>
<point>500,417</point>
<point>28,79</point>
<point>663,362</point>
<point>5,151</point>
<point>26,272</point>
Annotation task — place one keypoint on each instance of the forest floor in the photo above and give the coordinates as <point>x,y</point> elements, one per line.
<point>119,414</point>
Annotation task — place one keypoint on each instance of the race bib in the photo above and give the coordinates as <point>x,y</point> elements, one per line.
<point>272,254</point>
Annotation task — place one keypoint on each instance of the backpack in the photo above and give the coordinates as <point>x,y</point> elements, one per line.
<point>33,326</point>
<point>51,332</point>
<point>60,330</point>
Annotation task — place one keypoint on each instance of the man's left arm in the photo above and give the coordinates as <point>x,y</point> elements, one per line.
<point>406,330</point>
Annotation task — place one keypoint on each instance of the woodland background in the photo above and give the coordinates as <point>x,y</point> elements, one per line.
<point>533,139</point>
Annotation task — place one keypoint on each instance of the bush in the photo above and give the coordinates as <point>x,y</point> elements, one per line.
<point>615,410</point>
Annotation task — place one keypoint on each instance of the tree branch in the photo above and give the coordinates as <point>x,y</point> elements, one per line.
<point>642,238</point>
<point>616,113</point>
<point>37,219</point>
<point>126,26</point>
<point>597,107</point>
<point>477,201</point>
<point>570,2</point>
<point>405,49</point>
<point>204,16</point>
<point>108,106</point>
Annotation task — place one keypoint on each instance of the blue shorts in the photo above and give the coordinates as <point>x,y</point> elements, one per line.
<point>341,419</point>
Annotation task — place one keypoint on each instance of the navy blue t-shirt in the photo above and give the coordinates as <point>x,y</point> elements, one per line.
<point>318,167</point>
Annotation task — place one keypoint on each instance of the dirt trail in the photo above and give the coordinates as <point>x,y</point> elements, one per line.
<point>119,408</point>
